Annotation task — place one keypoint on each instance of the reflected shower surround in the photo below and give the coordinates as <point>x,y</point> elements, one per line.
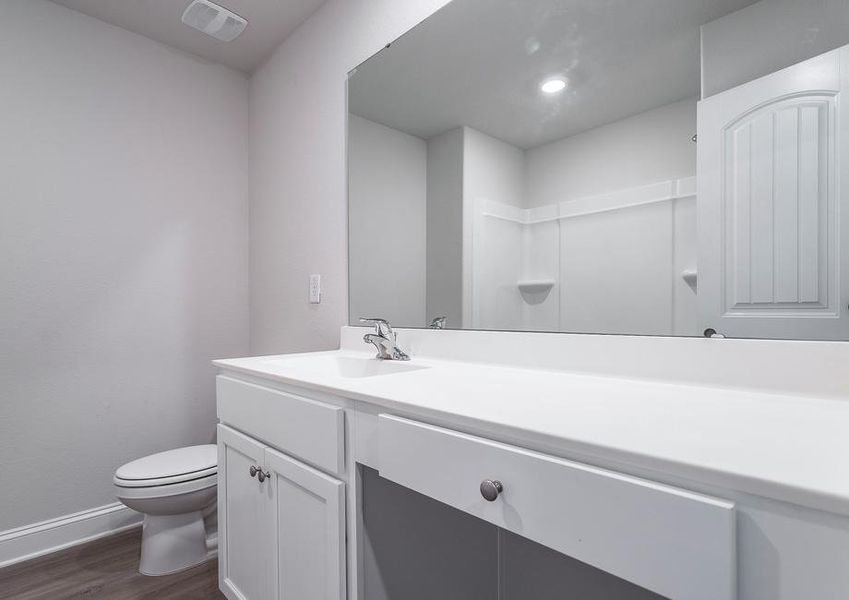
<point>552,268</point>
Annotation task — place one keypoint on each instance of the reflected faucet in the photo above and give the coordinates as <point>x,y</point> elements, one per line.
<point>438,323</point>
<point>384,339</point>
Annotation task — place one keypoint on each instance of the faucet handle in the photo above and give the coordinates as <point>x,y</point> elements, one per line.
<point>381,325</point>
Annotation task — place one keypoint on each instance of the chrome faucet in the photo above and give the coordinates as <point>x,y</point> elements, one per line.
<point>384,339</point>
<point>438,323</point>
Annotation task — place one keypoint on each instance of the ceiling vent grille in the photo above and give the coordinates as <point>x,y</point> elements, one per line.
<point>214,20</point>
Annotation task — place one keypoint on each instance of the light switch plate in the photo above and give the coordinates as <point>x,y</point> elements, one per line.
<point>315,289</point>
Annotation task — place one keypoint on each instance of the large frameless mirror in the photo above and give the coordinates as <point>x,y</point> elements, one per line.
<point>666,167</point>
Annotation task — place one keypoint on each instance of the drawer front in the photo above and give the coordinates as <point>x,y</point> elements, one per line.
<point>676,543</point>
<point>309,430</point>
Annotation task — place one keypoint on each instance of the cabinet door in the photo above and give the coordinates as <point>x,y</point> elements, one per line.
<point>244,569</point>
<point>308,517</point>
<point>772,210</point>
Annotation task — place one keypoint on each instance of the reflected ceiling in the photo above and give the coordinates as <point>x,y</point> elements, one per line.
<point>634,55</point>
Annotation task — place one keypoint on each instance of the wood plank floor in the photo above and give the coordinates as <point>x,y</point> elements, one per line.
<point>105,568</point>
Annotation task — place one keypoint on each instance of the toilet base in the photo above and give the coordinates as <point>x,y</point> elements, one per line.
<point>172,543</point>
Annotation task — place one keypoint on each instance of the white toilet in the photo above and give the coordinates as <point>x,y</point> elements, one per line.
<point>175,490</point>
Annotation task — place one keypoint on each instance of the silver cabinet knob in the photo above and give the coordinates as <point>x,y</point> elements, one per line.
<point>490,488</point>
<point>254,471</point>
<point>263,475</point>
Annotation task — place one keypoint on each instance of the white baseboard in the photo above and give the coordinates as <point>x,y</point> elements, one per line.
<point>31,541</point>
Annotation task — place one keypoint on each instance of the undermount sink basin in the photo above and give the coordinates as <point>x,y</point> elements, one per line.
<point>344,366</point>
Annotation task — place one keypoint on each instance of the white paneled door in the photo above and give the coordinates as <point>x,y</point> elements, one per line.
<point>771,210</point>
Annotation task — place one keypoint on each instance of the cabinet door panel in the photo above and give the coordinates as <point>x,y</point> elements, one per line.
<point>244,570</point>
<point>309,526</point>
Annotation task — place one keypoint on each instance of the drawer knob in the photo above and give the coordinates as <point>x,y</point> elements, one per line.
<point>490,488</point>
<point>253,471</point>
<point>263,475</point>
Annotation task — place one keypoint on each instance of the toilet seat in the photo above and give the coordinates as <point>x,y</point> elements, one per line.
<point>131,491</point>
<point>183,465</point>
<point>161,481</point>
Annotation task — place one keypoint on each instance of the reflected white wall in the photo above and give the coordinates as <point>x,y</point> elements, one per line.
<point>541,257</point>
<point>387,196</point>
<point>445,227</point>
<point>616,269</point>
<point>652,146</point>
<point>768,36</point>
<point>496,241</point>
<point>494,174</point>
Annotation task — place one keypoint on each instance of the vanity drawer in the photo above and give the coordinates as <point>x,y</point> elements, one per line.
<point>306,429</point>
<point>674,542</point>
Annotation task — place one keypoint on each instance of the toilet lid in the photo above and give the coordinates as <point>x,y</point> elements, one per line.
<point>197,461</point>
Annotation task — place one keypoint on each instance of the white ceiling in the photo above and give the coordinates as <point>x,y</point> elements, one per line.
<point>269,23</point>
<point>480,62</point>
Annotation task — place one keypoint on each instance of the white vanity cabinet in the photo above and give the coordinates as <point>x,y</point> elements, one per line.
<point>283,527</point>
<point>364,481</point>
<point>281,521</point>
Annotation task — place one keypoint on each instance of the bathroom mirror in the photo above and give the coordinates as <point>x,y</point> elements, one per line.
<point>665,167</point>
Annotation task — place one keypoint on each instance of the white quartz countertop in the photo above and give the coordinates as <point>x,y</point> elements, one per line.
<point>786,447</point>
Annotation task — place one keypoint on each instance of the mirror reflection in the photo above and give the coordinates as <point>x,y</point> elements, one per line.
<point>666,167</point>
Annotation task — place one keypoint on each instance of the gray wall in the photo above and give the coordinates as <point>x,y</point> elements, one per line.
<point>123,170</point>
<point>297,169</point>
<point>768,36</point>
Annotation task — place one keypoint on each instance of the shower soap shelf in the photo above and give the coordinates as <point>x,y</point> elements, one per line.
<point>535,286</point>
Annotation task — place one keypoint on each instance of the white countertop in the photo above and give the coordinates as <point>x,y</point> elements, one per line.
<point>787,447</point>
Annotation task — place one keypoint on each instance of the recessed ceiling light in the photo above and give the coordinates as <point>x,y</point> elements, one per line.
<point>552,86</point>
